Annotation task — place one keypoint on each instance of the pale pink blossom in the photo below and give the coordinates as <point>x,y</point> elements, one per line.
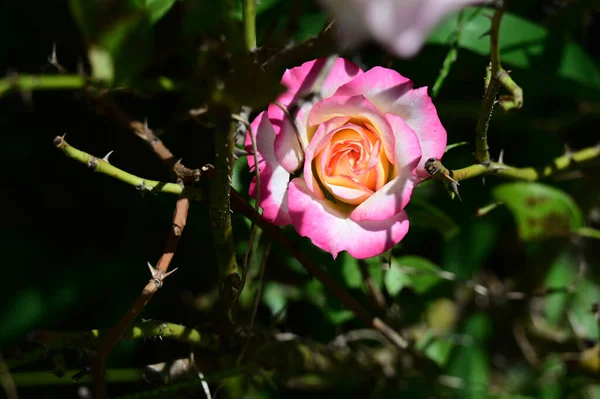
<point>401,26</point>
<point>358,155</point>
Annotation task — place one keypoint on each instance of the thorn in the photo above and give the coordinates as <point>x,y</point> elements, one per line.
<point>501,156</point>
<point>165,275</point>
<point>454,187</point>
<point>483,180</point>
<point>152,269</point>
<point>105,159</point>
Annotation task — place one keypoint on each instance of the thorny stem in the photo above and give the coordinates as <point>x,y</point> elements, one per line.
<point>141,129</point>
<point>102,165</point>
<point>220,215</point>
<point>41,82</point>
<point>141,330</point>
<point>240,205</point>
<point>559,164</point>
<point>257,179</point>
<point>482,153</point>
<point>515,99</point>
<point>158,274</point>
<point>249,15</point>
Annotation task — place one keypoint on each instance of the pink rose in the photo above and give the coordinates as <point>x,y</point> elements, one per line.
<point>402,26</point>
<point>344,179</point>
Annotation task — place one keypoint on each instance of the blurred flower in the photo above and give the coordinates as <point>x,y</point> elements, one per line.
<point>355,156</point>
<point>401,26</point>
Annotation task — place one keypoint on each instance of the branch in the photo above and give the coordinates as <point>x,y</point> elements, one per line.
<point>41,82</point>
<point>141,330</point>
<point>515,99</point>
<point>158,275</point>
<point>220,215</point>
<point>560,164</point>
<point>249,15</point>
<point>104,167</point>
<point>240,205</point>
<point>42,378</point>
<point>110,109</point>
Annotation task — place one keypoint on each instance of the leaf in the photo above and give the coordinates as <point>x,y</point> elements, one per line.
<point>588,232</point>
<point>274,297</point>
<point>395,279</point>
<point>118,36</point>
<point>467,251</point>
<point>156,8</point>
<point>426,215</point>
<point>351,271</point>
<point>421,278</point>
<point>525,44</point>
<point>541,211</point>
<point>455,145</point>
<point>561,273</point>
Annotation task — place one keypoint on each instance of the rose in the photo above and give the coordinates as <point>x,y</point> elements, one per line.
<point>400,25</point>
<point>344,173</point>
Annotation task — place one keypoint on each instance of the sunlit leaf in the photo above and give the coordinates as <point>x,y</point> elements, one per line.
<point>540,210</point>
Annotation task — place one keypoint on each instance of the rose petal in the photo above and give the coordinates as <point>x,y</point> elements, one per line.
<point>289,144</point>
<point>300,79</point>
<point>355,107</point>
<point>392,93</point>
<point>273,177</point>
<point>393,197</point>
<point>324,130</point>
<point>331,230</point>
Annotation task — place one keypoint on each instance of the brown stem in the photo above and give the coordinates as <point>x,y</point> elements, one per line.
<point>110,109</point>
<point>158,275</point>
<point>240,205</point>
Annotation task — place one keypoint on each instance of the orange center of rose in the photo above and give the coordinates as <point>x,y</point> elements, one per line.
<point>352,165</point>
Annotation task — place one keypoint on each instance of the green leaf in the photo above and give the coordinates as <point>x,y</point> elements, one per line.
<point>588,232</point>
<point>274,296</point>
<point>471,363</point>
<point>467,251</point>
<point>351,271</point>
<point>435,348</point>
<point>525,44</point>
<point>421,277</point>
<point>261,7</point>
<point>118,36</point>
<point>428,216</point>
<point>156,8</point>
<point>561,273</point>
<point>455,145</point>
<point>424,277</point>
<point>395,279</point>
<point>541,211</point>
<point>586,293</point>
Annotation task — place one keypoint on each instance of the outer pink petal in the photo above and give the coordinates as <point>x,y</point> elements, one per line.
<point>289,145</point>
<point>392,93</point>
<point>300,79</point>
<point>393,197</point>
<point>333,231</point>
<point>273,177</point>
<point>355,107</point>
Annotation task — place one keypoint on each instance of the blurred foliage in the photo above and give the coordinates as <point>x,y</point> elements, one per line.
<point>497,306</point>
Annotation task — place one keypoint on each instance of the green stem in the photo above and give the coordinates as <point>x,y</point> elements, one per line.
<point>560,164</point>
<point>142,330</point>
<point>220,210</point>
<point>40,378</point>
<point>102,166</point>
<point>482,151</point>
<point>249,14</point>
<point>41,82</point>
